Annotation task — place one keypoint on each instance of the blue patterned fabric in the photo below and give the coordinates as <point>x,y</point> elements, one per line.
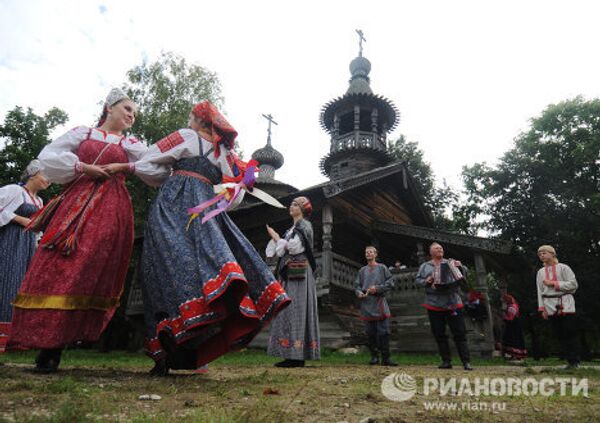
<point>178,263</point>
<point>16,249</point>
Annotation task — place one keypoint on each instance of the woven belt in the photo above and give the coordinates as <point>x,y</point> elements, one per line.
<point>193,175</point>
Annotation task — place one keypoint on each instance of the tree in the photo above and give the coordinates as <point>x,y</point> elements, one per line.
<point>25,134</point>
<point>165,92</point>
<point>545,190</point>
<point>441,201</point>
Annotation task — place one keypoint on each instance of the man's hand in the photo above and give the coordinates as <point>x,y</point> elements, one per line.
<point>548,282</point>
<point>544,315</point>
<point>362,295</point>
<point>372,290</point>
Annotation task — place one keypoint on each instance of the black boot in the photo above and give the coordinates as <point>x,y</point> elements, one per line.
<point>373,348</point>
<point>444,350</point>
<point>160,368</point>
<point>384,346</point>
<point>463,352</point>
<point>47,360</point>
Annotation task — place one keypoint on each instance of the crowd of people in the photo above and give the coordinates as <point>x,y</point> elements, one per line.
<point>206,290</point>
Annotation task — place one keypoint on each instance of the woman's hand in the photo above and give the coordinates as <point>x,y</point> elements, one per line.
<point>94,172</point>
<point>114,168</point>
<point>23,221</point>
<point>273,234</point>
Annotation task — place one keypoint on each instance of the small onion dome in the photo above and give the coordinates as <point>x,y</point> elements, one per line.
<point>268,156</point>
<point>359,82</point>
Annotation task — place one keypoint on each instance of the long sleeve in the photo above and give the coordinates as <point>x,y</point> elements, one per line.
<point>569,284</point>
<point>540,286</point>
<point>388,283</point>
<point>281,247</point>
<point>270,251</point>
<point>59,158</point>
<point>11,197</point>
<point>154,165</point>
<point>358,285</point>
<point>422,275</point>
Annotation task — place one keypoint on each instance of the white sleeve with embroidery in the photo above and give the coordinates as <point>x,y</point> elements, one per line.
<point>59,159</point>
<point>567,282</point>
<point>154,166</point>
<point>224,159</point>
<point>11,197</point>
<point>270,250</point>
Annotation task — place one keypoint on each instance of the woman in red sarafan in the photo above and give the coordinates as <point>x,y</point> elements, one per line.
<point>73,285</point>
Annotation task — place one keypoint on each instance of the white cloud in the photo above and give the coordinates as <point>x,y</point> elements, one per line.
<point>466,75</point>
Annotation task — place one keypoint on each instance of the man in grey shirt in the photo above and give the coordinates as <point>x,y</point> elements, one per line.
<point>371,285</point>
<point>441,278</point>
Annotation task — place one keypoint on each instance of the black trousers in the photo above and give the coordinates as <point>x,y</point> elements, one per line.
<point>377,327</point>
<point>456,322</point>
<point>565,329</point>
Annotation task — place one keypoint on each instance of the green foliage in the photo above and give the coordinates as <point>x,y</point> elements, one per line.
<point>441,201</point>
<point>545,191</point>
<point>24,134</point>
<point>165,92</point>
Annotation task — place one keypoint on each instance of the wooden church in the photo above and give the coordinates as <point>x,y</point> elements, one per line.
<point>369,199</point>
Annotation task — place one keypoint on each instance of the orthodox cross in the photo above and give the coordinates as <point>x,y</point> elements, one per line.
<point>270,119</point>
<point>360,41</point>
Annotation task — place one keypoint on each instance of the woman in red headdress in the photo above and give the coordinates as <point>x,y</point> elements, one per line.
<point>513,343</point>
<point>206,290</point>
<point>295,334</point>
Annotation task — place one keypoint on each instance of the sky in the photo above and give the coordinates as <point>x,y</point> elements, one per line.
<point>466,76</point>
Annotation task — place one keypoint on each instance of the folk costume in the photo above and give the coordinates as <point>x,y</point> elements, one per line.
<point>444,307</point>
<point>374,309</point>
<point>513,343</point>
<point>16,246</point>
<point>558,302</point>
<point>294,334</point>
<point>206,290</point>
<point>76,277</point>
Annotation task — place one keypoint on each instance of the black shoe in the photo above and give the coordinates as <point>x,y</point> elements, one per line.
<point>374,360</point>
<point>445,365</point>
<point>160,368</point>
<point>572,366</point>
<point>467,366</point>
<point>290,363</point>
<point>47,360</point>
<point>388,362</point>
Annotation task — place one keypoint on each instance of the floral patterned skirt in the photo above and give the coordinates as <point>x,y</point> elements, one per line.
<point>206,290</point>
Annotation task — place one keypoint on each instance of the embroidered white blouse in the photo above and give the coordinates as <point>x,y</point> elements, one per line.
<point>558,298</point>
<point>60,161</point>
<point>11,198</point>
<point>183,144</point>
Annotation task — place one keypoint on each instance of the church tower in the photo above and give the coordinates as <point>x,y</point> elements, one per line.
<point>358,123</point>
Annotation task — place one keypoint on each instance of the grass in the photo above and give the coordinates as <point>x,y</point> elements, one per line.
<point>245,387</point>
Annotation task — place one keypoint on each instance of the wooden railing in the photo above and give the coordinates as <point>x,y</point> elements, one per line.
<point>345,270</point>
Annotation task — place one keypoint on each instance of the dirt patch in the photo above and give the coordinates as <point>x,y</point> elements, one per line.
<point>262,393</point>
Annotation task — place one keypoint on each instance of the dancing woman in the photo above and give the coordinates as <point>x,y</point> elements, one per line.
<point>76,277</point>
<point>206,290</point>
